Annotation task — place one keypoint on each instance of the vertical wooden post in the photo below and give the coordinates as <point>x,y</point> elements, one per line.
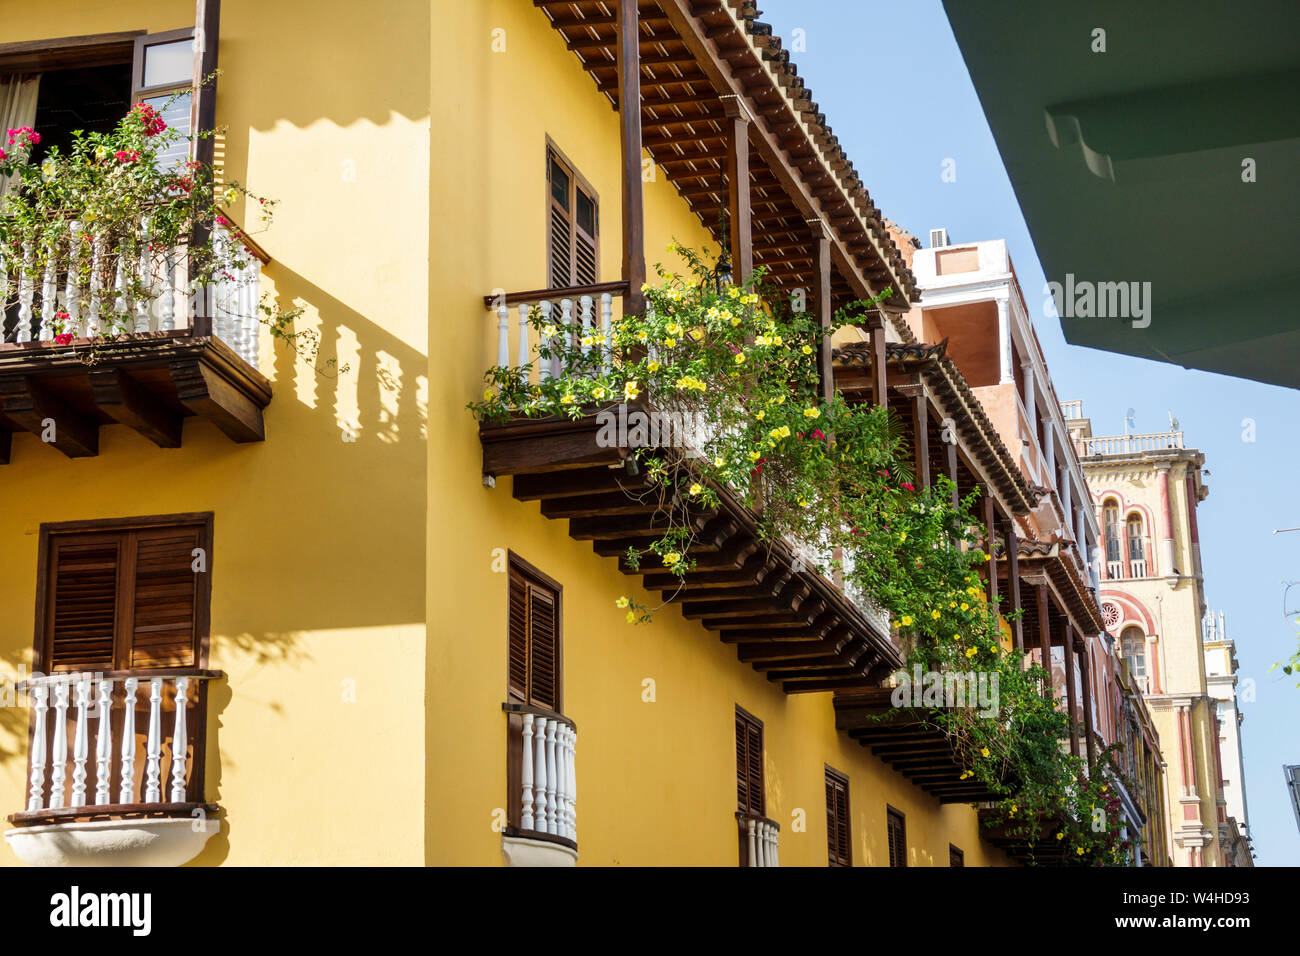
<point>629,126</point>
<point>921,418</point>
<point>203,119</point>
<point>738,199</point>
<point>822,295</point>
<point>952,470</point>
<point>1071,699</point>
<point>879,378</point>
<point>1013,574</point>
<point>1045,637</point>
<point>1087,699</point>
<point>990,534</point>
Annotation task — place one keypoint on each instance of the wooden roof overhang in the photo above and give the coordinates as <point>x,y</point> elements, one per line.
<point>149,381</point>
<point>983,458</point>
<point>1022,842</point>
<point>911,743</point>
<point>700,61</point>
<point>1043,562</point>
<point>794,626</point>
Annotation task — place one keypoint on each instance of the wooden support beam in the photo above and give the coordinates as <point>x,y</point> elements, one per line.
<point>126,401</point>
<point>1084,673</point>
<point>629,98</point>
<point>879,378</point>
<point>825,308</point>
<point>1071,699</point>
<point>47,415</point>
<point>206,393</point>
<point>1045,638</point>
<point>990,538</point>
<point>1013,572</point>
<point>738,198</point>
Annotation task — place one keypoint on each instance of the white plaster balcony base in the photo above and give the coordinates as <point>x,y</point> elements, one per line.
<point>154,841</point>
<point>521,851</point>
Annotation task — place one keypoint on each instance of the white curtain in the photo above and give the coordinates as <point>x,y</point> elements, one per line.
<point>17,109</point>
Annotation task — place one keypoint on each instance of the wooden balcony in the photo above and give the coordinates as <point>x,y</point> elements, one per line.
<point>794,626</point>
<point>760,840</point>
<point>116,769</point>
<point>541,777</point>
<point>1024,842</point>
<point>910,742</point>
<point>146,364</point>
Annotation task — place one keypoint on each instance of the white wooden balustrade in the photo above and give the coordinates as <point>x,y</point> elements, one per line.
<point>548,780</point>
<point>763,841</point>
<point>571,319</point>
<point>107,294</point>
<point>1130,444</point>
<point>103,708</point>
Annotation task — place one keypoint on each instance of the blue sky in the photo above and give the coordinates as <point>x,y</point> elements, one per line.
<point>885,75</point>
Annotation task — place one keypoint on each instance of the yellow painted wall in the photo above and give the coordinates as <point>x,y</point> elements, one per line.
<point>318,557</point>
<point>656,780</point>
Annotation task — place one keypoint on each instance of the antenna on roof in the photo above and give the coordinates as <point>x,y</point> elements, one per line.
<point>1173,422</point>
<point>1128,420</point>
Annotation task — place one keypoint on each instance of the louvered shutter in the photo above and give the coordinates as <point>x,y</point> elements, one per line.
<point>837,819</point>
<point>955,856</point>
<point>897,838</point>
<point>166,589</point>
<point>573,258</point>
<point>83,582</point>
<point>534,641</point>
<point>749,764</point>
<point>544,650</point>
<point>584,239</point>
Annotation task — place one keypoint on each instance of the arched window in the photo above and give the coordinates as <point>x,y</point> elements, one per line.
<point>1137,555</point>
<point>1110,526</point>
<point>1133,645</point>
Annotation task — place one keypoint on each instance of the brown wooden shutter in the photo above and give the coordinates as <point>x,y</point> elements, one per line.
<point>897,837</point>
<point>535,649</point>
<point>573,254</point>
<point>124,598</point>
<point>749,764</point>
<point>83,601</point>
<point>955,856</point>
<point>166,589</point>
<point>837,819</point>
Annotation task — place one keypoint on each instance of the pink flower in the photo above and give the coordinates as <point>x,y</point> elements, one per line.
<point>819,435</point>
<point>63,338</point>
<point>3,155</point>
<point>909,486</point>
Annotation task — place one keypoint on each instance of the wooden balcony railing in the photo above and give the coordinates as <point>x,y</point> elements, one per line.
<point>575,313</point>
<point>541,746</point>
<point>102,294</point>
<point>760,840</point>
<point>115,743</point>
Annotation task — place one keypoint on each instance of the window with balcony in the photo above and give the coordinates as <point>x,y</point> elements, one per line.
<point>117,700</point>
<point>758,834</point>
<point>541,742</point>
<point>896,826</point>
<point>1133,645</point>
<point>838,842</point>
<point>1137,555</point>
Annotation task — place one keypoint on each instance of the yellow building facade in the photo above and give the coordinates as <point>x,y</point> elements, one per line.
<point>356,656</point>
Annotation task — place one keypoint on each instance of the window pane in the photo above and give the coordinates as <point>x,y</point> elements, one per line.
<point>559,184</point>
<point>176,113</point>
<point>586,213</point>
<point>169,63</point>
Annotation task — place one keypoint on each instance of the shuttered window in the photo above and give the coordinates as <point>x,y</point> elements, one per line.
<point>897,837</point>
<point>837,819</point>
<point>750,800</point>
<point>124,596</point>
<point>955,856</point>
<point>535,658</point>
<point>574,225</point>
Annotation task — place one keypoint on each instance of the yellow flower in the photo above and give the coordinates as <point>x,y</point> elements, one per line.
<point>778,400</point>
<point>935,615</point>
<point>733,293</point>
<point>631,617</point>
<point>672,247</point>
<point>1079,851</point>
<point>902,537</point>
<point>645,287</point>
<point>549,330</point>
<point>754,456</point>
<point>598,392</point>
<point>775,434</point>
<point>812,413</point>
<point>740,358</point>
<point>806,350</point>
<point>670,343</point>
<point>230,195</point>
<point>622,602</point>
<point>696,489</point>
<point>965,606</point>
<point>566,398</point>
<point>1060,836</point>
<point>760,415</point>
<point>719,462</point>
<point>952,604</point>
<point>984,751</point>
<point>803,502</point>
<point>630,390</point>
<point>487,394</point>
<point>906,620</point>
<point>735,320</point>
<point>971,652</point>
<point>652,365</point>
<point>671,558</point>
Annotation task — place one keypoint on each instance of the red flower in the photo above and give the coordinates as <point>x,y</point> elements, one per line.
<point>63,338</point>
<point>819,435</point>
<point>909,486</point>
